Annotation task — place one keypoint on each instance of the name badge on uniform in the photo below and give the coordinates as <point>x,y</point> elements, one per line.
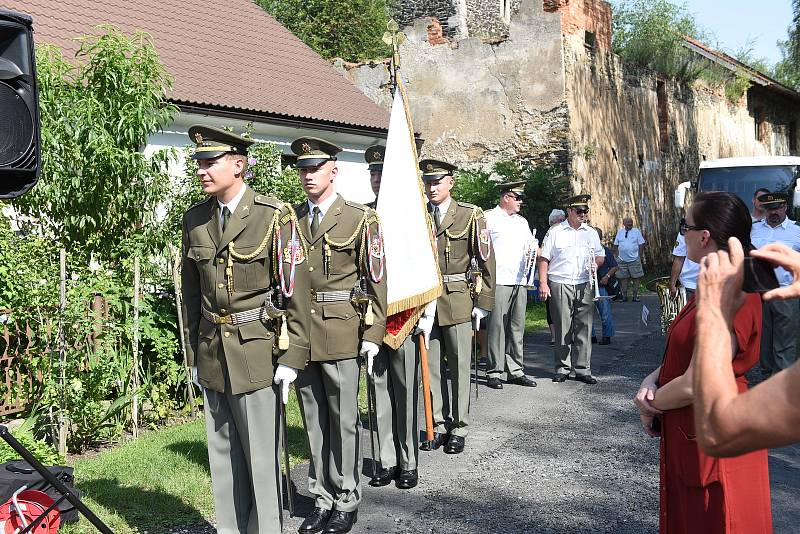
<point>294,249</point>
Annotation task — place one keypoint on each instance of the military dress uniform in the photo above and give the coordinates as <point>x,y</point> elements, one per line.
<point>466,263</point>
<point>395,376</point>
<point>234,341</point>
<point>345,252</point>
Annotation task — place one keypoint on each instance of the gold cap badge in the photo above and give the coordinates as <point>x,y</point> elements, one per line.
<point>429,167</point>
<point>306,148</point>
<point>198,138</point>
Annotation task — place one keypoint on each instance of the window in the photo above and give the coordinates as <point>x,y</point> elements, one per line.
<point>589,40</point>
<point>758,124</point>
<point>505,10</point>
<point>793,136</point>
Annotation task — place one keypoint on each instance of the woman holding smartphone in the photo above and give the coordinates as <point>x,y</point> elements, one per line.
<point>699,493</point>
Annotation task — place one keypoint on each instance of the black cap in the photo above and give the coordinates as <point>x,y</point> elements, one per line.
<point>214,142</point>
<point>579,201</point>
<point>374,156</point>
<point>433,169</point>
<point>517,187</point>
<point>772,200</point>
<point>313,151</point>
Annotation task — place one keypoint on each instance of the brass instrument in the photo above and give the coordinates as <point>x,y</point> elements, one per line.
<point>670,306</point>
<point>591,266</point>
<point>530,261</point>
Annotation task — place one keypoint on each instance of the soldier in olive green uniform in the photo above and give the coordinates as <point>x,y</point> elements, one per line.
<point>467,266</point>
<point>395,376</point>
<point>234,339</point>
<point>348,318</point>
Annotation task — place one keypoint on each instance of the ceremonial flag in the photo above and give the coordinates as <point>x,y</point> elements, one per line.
<point>412,268</point>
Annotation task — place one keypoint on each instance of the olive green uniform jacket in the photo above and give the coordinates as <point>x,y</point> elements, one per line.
<point>461,232</point>
<point>248,351</point>
<point>336,327</point>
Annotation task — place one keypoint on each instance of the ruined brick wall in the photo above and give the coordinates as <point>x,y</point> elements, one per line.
<point>462,18</point>
<point>635,137</point>
<point>445,11</point>
<point>581,16</point>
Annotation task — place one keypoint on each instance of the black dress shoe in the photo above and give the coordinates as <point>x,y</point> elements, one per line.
<point>523,381</point>
<point>586,379</point>
<point>605,340</point>
<point>594,339</point>
<point>494,383</point>
<point>341,522</point>
<point>559,377</point>
<point>455,445</point>
<point>407,479</point>
<point>439,439</point>
<point>383,477</point>
<point>315,522</point>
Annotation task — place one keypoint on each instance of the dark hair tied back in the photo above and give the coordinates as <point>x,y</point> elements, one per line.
<point>724,215</point>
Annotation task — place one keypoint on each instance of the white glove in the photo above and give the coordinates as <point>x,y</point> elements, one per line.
<point>369,350</point>
<point>284,375</point>
<point>477,315</point>
<point>426,325</point>
<point>195,380</point>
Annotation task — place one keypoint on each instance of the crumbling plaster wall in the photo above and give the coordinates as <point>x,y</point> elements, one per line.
<point>619,155</point>
<point>476,103</point>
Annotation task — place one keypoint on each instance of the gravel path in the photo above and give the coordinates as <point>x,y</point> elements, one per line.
<point>556,458</point>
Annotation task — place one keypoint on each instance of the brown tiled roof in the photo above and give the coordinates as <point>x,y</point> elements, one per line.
<point>224,55</point>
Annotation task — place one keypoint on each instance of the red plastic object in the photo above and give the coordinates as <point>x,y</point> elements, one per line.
<point>32,504</point>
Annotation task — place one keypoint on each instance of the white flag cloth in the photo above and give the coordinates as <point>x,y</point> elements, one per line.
<point>412,268</point>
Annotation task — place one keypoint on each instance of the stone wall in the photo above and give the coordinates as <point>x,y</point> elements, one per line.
<point>476,103</point>
<point>445,11</point>
<point>635,137</point>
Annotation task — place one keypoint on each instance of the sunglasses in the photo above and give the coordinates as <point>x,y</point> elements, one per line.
<point>515,196</point>
<point>581,211</point>
<point>687,227</point>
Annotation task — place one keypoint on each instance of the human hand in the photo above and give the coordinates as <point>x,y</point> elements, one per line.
<point>604,281</point>
<point>673,289</point>
<point>719,284</point>
<point>647,425</point>
<point>544,291</point>
<point>477,315</point>
<point>195,379</point>
<point>645,396</point>
<point>426,325</point>
<point>368,351</point>
<point>284,376</point>
<point>781,255</point>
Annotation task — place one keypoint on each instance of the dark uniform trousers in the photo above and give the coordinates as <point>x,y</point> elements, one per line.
<point>236,362</point>
<point>396,375</point>
<point>458,237</point>
<point>778,334</point>
<point>328,387</point>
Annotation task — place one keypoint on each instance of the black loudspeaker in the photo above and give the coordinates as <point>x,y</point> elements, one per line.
<point>19,106</point>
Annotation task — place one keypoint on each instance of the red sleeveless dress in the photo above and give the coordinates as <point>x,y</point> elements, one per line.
<point>699,493</point>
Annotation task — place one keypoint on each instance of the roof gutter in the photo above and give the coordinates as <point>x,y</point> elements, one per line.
<point>281,120</point>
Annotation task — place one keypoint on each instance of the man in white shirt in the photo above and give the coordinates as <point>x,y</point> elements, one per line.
<point>780,317</point>
<point>628,245</point>
<point>513,246</point>
<point>565,271</point>
<point>683,269</point>
<point>758,212</point>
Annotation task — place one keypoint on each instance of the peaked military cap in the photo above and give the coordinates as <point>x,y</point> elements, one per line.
<point>313,151</point>
<point>214,142</point>
<point>772,200</point>
<point>579,201</point>
<point>433,170</point>
<point>374,156</point>
<point>517,187</point>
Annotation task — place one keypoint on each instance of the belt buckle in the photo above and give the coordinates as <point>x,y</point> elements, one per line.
<point>224,319</point>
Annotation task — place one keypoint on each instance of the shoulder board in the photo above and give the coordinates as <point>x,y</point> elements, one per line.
<point>352,204</point>
<point>265,200</point>
<point>198,204</point>
<point>466,205</point>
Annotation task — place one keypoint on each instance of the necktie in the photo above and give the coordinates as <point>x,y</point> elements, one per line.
<point>315,221</point>
<point>226,215</point>
<point>626,234</point>
<point>436,220</point>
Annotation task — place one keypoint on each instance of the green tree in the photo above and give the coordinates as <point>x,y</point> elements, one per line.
<point>350,30</point>
<point>98,191</point>
<point>787,71</point>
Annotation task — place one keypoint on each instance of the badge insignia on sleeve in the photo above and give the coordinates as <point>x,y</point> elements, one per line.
<point>484,237</point>
<point>294,248</point>
<point>376,247</point>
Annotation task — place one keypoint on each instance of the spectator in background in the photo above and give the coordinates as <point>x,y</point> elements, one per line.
<point>556,217</point>
<point>684,270</point>
<point>780,316</point>
<point>604,275</point>
<point>628,245</point>
<point>758,212</point>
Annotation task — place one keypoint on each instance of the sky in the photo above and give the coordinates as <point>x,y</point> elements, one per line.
<point>732,22</point>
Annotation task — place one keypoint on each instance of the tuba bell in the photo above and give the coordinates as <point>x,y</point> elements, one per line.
<point>670,306</point>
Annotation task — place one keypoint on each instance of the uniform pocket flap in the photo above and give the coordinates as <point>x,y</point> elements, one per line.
<point>455,287</point>
<point>254,330</point>
<point>339,310</point>
<point>199,253</point>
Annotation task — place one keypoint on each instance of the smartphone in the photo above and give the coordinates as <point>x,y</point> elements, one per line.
<point>759,276</point>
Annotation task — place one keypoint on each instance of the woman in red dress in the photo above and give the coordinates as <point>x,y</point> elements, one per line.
<point>700,493</point>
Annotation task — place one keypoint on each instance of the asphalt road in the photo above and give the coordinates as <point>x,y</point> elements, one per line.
<point>556,458</point>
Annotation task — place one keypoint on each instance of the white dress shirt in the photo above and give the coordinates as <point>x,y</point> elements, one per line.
<point>323,206</point>
<point>628,242</point>
<point>690,269</point>
<point>443,207</point>
<point>232,205</point>
<point>511,240</point>
<point>787,233</point>
<point>568,250</point>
